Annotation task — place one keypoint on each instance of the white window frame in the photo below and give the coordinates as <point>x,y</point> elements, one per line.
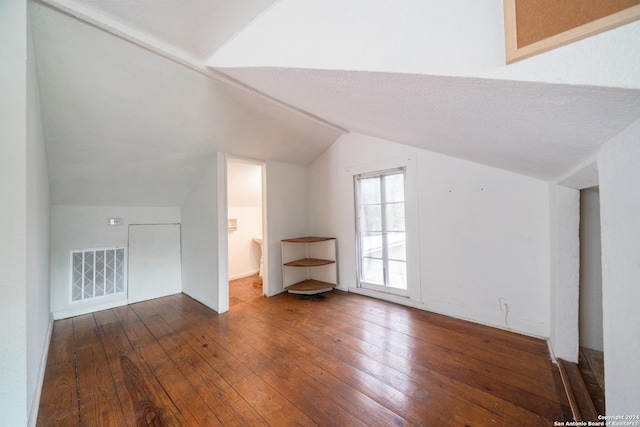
<point>412,229</point>
<point>385,256</point>
<point>105,296</point>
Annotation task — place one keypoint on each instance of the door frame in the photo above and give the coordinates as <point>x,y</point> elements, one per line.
<point>223,242</point>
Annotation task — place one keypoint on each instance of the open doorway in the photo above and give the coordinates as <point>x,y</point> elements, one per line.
<point>591,357</point>
<point>577,325</point>
<point>246,225</point>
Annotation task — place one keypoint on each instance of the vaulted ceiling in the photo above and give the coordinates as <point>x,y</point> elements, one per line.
<point>137,96</point>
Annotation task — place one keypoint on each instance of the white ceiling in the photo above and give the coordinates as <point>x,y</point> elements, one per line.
<point>125,126</point>
<point>537,129</point>
<point>132,116</point>
<point>197,27</point>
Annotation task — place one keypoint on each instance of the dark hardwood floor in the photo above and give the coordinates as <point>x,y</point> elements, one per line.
<point>245,289</point>
<point>591,365</point>
<point>346,360</point>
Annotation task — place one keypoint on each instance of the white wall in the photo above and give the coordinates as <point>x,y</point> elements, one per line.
<point>39,322</point>
<point>24,211</point>
<point>244,253</point>
<point>154,262</point>
<point>619,169</point>
<point>378,35</point>
<point>565,271</point>
<point>200,243</point>
<point>244,183</point>
<point>483,231</point>
<point>590,271</point>
<point>204,229</point>
<point>85,227</point>
<point>13,203</point>
<point>287,214</point>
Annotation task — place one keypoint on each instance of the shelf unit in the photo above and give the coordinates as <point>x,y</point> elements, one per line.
<point>309,265</point>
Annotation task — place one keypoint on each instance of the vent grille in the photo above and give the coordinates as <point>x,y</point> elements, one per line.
<point>97,273</point>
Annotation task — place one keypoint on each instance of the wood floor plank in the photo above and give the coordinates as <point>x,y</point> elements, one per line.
<point>97,395</point>
<point>165,370</point>
<point>280,409</point>
<point>416,409</point>
<point>345,360</point>
<point>363,405</point>
<point>591,365</point>
<point>61,345</point>
<point>430,355</point>
<point>296,384</point>
<point>221,398</point>
<point>60,381</point>
<point>151,403</point>
<point>511,339</point>
<point>411,388</point>
<point>497,354</point>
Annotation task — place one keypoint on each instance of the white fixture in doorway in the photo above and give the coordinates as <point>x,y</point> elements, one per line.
<point>258,240</point>
<point>246,204</point>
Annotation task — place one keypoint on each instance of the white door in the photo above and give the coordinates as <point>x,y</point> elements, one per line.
<point>154,261</point>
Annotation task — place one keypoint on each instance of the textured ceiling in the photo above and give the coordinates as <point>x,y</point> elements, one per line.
<point>197,27</point>
<point>131,114</point>
<point>124,126</point>
<point>536,129</point>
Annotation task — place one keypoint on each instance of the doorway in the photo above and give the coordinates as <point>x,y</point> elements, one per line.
<point>591,357</point>
<point>246,230</point>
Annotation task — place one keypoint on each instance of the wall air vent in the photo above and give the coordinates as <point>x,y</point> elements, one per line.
<point>97,273</point>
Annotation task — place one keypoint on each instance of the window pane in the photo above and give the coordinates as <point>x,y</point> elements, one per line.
<point>394,187</point>
<point>371,245</point>
<point>395,216</point>
<point>382,233</point>
<point>370,190</point>
<point>371,218</point>
<point>397,246</point>
<point>372,271</point>
<point>398,274</point>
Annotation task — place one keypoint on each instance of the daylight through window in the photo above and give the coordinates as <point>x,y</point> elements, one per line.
<point>380,221</point>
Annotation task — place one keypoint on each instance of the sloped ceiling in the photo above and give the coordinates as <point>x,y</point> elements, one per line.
<point>197,27</point>
<point>536,129</point>
<point>132,115</point>
<point>127,127</point>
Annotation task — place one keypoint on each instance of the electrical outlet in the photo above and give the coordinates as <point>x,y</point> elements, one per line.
<point>503,303</point>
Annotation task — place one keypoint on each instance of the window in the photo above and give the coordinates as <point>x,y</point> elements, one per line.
<point>97,273</point>
<point>381,235</point>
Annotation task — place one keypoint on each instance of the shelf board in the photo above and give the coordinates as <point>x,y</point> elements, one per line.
<point>308,262</point>
<point>310,287</point>
<point>309,239</point>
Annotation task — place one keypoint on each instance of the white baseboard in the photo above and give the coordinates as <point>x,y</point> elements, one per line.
<point>471,314</point>
<point>554,359</point>
<point>245,274</point>
<point>35,402</point>
<point>86,308</point>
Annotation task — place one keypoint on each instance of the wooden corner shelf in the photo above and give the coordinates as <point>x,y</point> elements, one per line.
<point>308,239</point>
<point>310,287</point>
<point>309,264</point>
